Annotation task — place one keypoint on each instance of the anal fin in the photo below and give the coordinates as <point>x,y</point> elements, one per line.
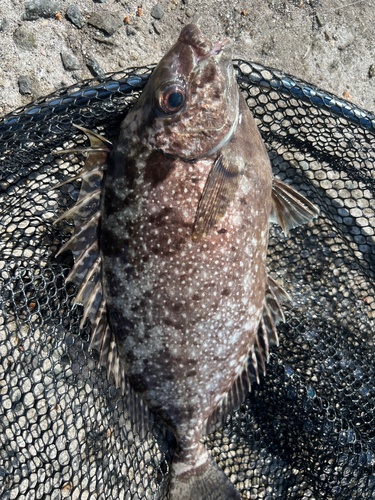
<point>258,356</point>
<point>234,397</point>
<point>272,314</point>
<point>289,208</point>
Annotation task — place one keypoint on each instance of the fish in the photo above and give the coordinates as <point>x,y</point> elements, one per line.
<point>170,247</point>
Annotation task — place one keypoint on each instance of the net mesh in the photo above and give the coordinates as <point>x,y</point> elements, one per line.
<point>308,429</point>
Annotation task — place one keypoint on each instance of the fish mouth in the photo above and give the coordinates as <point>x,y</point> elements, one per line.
<point>219,47</point>
<point>202,46</point>
<point>218,50</point>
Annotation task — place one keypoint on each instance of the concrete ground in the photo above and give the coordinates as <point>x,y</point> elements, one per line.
<point>330,43</point>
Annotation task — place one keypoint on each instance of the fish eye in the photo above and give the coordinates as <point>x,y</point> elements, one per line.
<point>175,100</point>
<point>172,98</point>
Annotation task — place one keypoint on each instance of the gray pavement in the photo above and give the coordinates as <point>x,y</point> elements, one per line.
<point>329,43</point>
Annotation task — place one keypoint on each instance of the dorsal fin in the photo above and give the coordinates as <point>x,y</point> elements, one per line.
<point>258,355</point>
<point>86,216</point>
<point>105,342</point>
<point>140,415</point>
<point>86,272</point>
<point>83,237</point>
<point>289,208</point>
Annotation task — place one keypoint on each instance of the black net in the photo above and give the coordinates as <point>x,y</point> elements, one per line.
<point>308,429</point>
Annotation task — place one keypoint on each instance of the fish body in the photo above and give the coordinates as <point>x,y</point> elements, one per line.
<point>181,306</point>
<point>188,308</point>
<point>185,312</point>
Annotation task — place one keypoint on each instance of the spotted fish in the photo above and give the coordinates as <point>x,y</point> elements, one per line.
<point>174,282</point>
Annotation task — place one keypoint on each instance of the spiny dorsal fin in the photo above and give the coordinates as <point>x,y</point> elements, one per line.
<point>258,355</point>
<point>81,175</point>
<point>289,208</point>
<point>81,240</point>
<point>96,157</point>
<point>86,215</point>
<point>218,193</point>
<point>84,243</point>
<point>96,140</point>
<point>87,268</point>
<point>81,207</point>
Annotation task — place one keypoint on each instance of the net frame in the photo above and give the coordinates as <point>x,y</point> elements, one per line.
<point>307,431</point>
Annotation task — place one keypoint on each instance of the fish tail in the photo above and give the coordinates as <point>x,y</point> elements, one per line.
<point>202,481</point>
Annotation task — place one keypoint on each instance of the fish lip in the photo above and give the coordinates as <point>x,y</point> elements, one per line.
<point>202,47</point>
<point>220,46</point>
<point>216,51</point>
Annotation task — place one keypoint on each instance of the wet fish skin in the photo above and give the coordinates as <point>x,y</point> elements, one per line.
<point>170,255</point>
<point>184,312</point>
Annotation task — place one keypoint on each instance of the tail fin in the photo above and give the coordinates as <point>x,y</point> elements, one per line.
<point>204,482</point>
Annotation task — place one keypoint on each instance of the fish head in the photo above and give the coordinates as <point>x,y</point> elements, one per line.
<point>189,108</point>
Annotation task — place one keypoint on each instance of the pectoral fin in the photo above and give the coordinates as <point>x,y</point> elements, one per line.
<point>218,193</point>
<point>289,208</point>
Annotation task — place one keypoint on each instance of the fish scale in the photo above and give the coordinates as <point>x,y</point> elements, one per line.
<point>181,307</point>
